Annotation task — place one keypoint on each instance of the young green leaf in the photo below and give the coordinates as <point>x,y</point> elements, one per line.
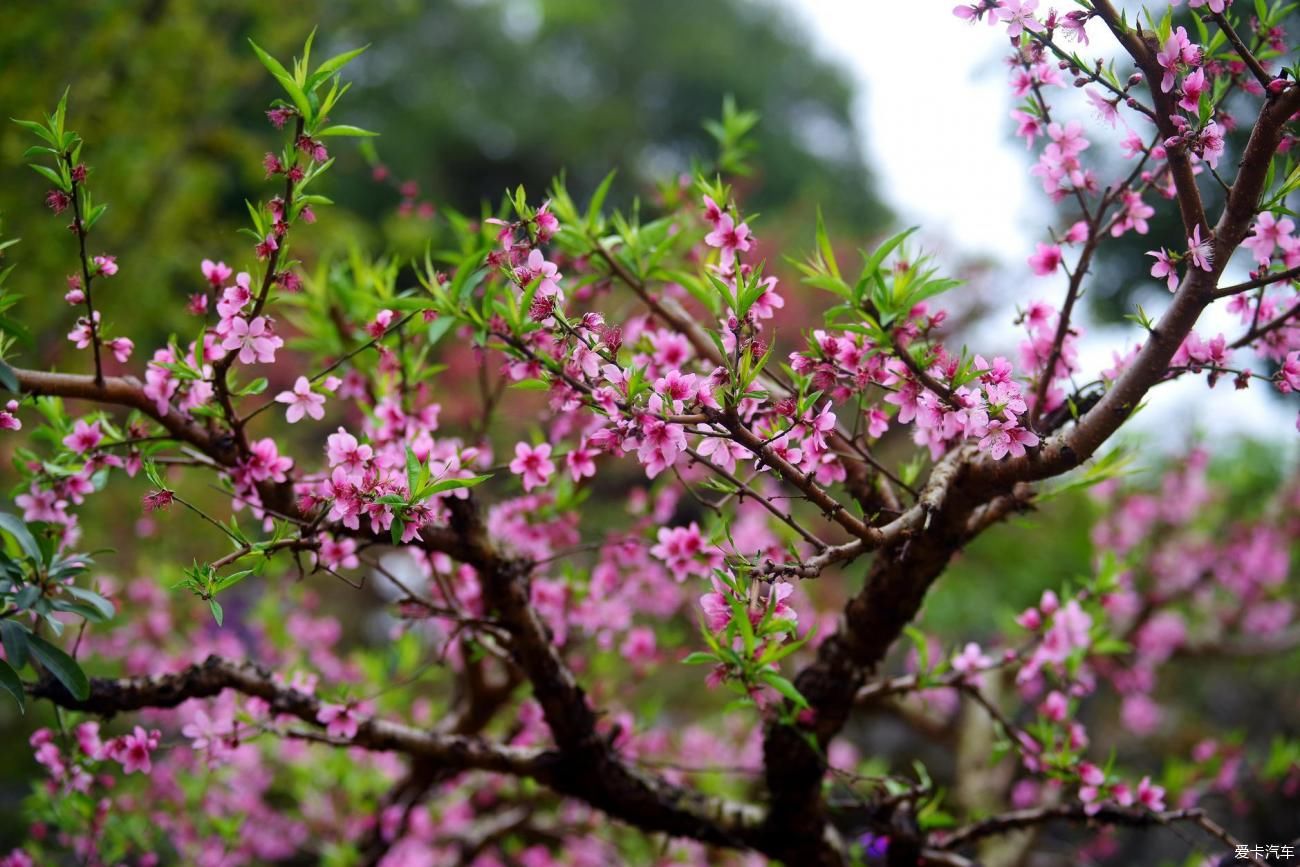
<point>333,65</point>
<point>343,129</point>
<point>785,687</point>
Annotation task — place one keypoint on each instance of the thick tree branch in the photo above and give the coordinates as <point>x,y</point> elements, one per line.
<point>214,675</point>
<point>124,391</point>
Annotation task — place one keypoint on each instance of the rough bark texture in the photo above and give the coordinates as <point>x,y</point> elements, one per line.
<point>965,494</point>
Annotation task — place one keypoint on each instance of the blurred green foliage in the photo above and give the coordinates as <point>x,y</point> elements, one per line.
<point>471,97</point>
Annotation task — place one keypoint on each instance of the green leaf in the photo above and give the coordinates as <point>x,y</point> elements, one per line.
<point>217,614</point>
<point>598,198</point>
<point>92,217</point>
<point>412,470</point>
<point>13,685</point>
<point>231,580</point>
<point>785,687</point>
<point>343,129</point>
<point>824,246</point>
<point>60,113</point>
<point>63,667</point>
<point>286,80</point>
<point>15,527</point>
<point>443,485</point>
<point>257,386</point>
<point>333,65</point>
<point>81,609</point>
<point>273,66</point>
<point>49,174</point>
<point>91,598</point>
<point>14,636</point>
<point>38,128</point>
<point>27,597</point>
<point>8,379</point>
<point>699,658</point>
<point>922,645</point>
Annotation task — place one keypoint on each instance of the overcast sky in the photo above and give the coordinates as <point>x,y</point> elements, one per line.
<point>934,104</point>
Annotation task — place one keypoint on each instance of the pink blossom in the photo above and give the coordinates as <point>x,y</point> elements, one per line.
<point>1007,437</point>
<point>1091,775</point>
<point>9,417</point>
<point>679,548</point>
<point>1267,232</point>
<point>1200,251</point>
<point>1140,714</point>
<point>265,462</point>
<point>1019,16</point>
<point>546,273</point>
<point>1164,268</point>
<point>1193,86</point>
<point>340,720</point>
<point>776,600</point>
<point>215,273</point>
<point>107,265</point>
<point>533,463</point>
<point>342,450</point>
<point>1288,375</point>
<point>580,462</point>
<point>302,400</point>
<point>255,341</point>
<point>717,611</point>
<point>877,422</point>
<point>133,750</point>
<point>639,646</point>
<point>82,334</point>
<point>730,238</point>
<point>338,553</point>
<point>712,213</point>
<point>1106,109</point>
<point>1045,260</point>
<point>1028,126</point>
<point>547,224</point>
<point>266,247</point>
<point>121,348</point>
<point>1150,795</point>
<point>1055,707</point>
<point>970,662</point>
<point>84,437</point>
<point>1178,51</point>
<point>88,739</point>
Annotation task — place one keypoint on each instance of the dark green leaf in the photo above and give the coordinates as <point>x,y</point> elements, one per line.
<point>13,685</point>
<point>15,527</point>
<point>8,379</point>
<point>91,598</point>
<point>63,667</point>
<point>14,635</point>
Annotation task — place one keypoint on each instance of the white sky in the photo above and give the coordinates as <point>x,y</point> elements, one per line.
<point>934,104</point>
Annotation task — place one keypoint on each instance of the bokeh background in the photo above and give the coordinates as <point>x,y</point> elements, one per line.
<point>885,114</point>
